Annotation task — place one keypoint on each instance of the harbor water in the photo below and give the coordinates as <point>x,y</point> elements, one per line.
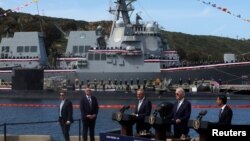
<point>15,111</point>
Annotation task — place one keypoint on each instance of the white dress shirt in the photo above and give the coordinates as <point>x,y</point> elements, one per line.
<point>179,103</point>
<point>140,103</point>
<point>61,105</point>
<point>222,108</point>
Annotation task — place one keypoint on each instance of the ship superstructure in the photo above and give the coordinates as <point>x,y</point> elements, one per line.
<point>133,54</point>
<point>130,48</point>
<point>24,49</point>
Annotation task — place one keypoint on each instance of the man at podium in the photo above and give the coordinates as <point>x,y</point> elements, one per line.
<point>225,113</point>
<point>142,109</point>
<point>181,114</point>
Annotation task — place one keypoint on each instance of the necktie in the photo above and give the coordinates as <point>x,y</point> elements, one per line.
<point>90,103</point>
<point>220,113</point>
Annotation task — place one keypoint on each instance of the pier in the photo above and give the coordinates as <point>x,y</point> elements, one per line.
<point>234,88</point>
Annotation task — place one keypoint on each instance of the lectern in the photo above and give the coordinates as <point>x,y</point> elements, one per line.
<point>161,123</point>
<point>161,126</point>
<point>201,127</point>
<point>126,121</point>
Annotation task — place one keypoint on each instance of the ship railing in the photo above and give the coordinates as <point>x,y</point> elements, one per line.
<point>6,126</point>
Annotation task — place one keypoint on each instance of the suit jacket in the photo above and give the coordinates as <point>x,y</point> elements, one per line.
<point>145,109</point>
<point>183,114</point>
<point>86,109</point>
<point>67,111</point>
<point>226,116</point>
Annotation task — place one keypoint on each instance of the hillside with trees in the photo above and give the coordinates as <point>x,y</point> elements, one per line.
<point>193,48</point>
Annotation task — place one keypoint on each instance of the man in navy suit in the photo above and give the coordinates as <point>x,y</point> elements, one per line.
<point>142,109</point>
<point>225,113</point>
<point>89,110</point>
<point>65,115</point>
<point>181,114</point>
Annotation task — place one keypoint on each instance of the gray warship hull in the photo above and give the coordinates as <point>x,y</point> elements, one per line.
<point>227,75</point>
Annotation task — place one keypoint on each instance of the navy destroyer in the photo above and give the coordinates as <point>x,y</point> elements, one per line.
<point>133,54</point>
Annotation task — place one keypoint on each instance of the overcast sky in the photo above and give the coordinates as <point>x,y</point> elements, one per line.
<point>187,16</point>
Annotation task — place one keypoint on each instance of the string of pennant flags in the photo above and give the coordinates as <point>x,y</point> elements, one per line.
<point>223,9</point>
<point>19,8</point>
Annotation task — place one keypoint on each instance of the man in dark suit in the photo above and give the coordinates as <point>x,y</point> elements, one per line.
<point>65,115</point>
<point>89,110</point>
<point>142,109</point>
<point>181,114</point>
<point>225,113</point>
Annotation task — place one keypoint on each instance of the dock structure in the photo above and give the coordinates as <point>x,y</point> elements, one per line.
<point>186,87</point>
<point>5,84</point>
<point>220,88</point>
<point>234,87</point>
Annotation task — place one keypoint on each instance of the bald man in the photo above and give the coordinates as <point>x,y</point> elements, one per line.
<point>181,114</point>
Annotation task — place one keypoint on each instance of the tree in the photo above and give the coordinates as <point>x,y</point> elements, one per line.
<point>182,53</point>
<point>194,56</point>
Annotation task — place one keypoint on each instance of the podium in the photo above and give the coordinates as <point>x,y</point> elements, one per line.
<point>203,128</point>
<point>162,126</point>
<point>126,121</point>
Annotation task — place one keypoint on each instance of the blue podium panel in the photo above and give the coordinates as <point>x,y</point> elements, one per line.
<point>118,137</point>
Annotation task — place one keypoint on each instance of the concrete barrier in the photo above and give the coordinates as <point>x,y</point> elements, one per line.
<point>27,138</point>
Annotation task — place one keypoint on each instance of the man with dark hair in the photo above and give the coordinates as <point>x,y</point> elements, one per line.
<point>65,115</point>
<point>181,114</point>
<point>226,113</point>
<point>89,110</point>
<point>142,109</point>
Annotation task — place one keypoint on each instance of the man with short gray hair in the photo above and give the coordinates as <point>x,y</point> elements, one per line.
<point>181,114</point>
<point>142,109</point>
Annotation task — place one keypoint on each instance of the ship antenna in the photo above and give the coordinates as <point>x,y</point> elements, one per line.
<point>43,12</point>
<point>111,11</point>
<point>122,8</point>
<point>145,11</point>
<point>60,29</point>
<point>40,21</point>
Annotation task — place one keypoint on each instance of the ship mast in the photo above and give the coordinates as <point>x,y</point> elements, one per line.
<point>40,21</point>
<point>123,7</point>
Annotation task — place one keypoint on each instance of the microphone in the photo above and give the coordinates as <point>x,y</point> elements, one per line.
<point>157,110</point>
<point>201,114</point>
<point>124,108</point>
<point>127,107</point>
<point>155,113</point>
